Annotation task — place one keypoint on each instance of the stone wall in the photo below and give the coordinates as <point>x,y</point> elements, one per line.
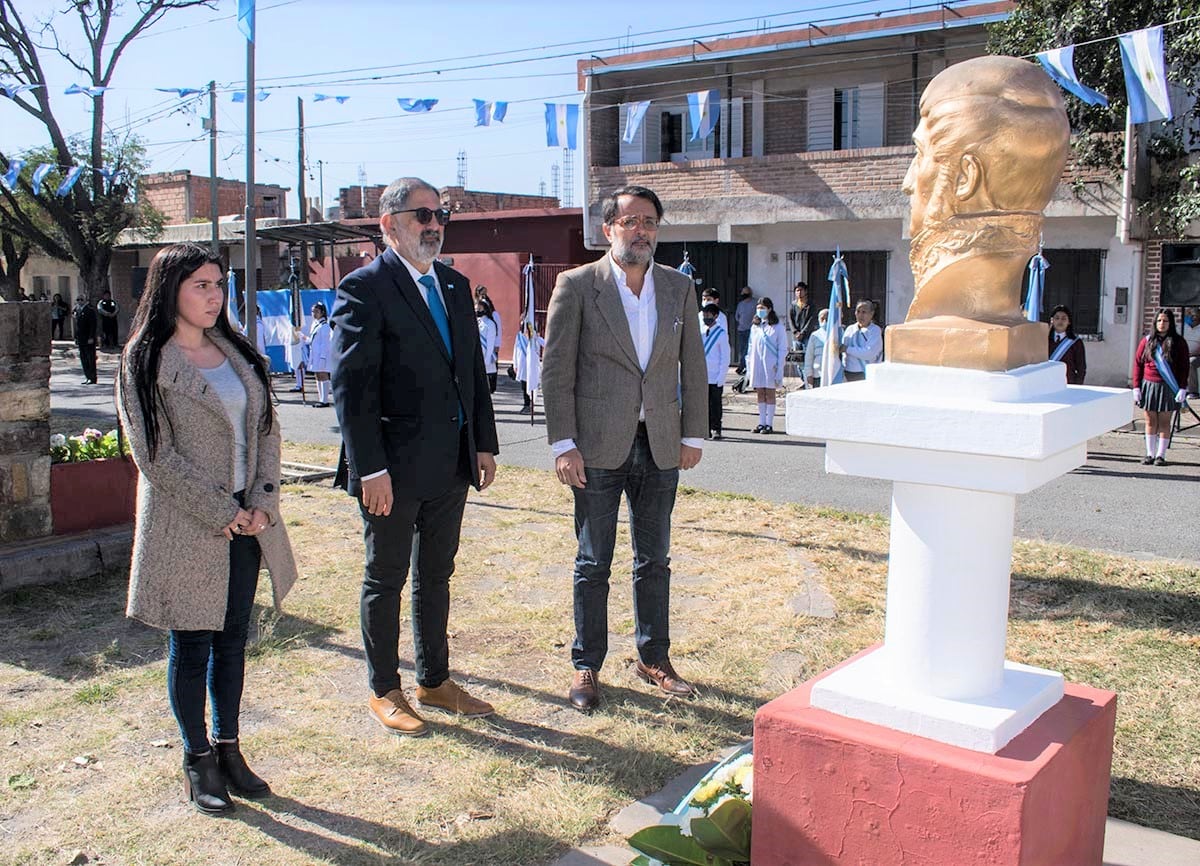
<point>24,421</point>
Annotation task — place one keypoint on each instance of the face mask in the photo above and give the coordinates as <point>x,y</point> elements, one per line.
<point>708,322</point>
<point>479,314</point>
<point>762,313</point>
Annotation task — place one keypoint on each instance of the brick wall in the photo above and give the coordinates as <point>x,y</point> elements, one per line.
<point>462,200</point>
<point>351,201</point>
<point>1151,285</point>
<point>785,122</point>
<point>604,139</point>
<point>24,421</point>
<point>183,197</point>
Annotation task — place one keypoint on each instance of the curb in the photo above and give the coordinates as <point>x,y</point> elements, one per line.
<point>63,558</point>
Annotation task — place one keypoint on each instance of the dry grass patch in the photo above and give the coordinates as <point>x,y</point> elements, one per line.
<point>750,582</point>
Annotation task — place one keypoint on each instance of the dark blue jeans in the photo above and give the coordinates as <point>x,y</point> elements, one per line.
<point>650,497</point>
<point>215,657</point>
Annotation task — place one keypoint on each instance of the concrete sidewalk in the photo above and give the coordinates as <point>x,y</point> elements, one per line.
<point>1125,844</point>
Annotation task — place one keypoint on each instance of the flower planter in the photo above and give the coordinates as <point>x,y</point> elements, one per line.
<point>92,494</point>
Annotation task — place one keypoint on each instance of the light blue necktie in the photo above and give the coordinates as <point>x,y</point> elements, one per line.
<point>438,310</point>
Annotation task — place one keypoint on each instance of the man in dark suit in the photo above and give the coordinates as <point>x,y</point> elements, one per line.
<point>85,338</point>
<point>625,386</point>
<point>411,394</point>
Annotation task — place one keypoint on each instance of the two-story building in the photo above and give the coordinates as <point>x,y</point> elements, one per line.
<point>809,156</point>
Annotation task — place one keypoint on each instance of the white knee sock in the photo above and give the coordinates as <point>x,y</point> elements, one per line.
<point>1162,446</point>
<point>762,414</point>
<point>322,391</point>
<point>770,414</point>
<point>1150,441</point>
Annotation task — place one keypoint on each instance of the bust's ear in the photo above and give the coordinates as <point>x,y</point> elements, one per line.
<point>970,177</point>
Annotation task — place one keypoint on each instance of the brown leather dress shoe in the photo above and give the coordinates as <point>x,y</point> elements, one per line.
<point>395,714</point>
<point>452,699</point>
<point>585,691</point>
<point>663,675</point>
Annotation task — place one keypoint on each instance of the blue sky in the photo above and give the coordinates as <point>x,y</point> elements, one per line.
<point>446,50</point>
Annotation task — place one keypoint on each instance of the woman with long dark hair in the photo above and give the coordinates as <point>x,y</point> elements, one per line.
<point>194,402</point>
<point>1064,346</point>
<point>1160,368</point>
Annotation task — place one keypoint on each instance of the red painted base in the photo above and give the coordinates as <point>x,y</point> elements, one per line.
<point>833,790</point>
<point>92,494</point>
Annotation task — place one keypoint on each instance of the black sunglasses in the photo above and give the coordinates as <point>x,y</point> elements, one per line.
<point>424,215</point>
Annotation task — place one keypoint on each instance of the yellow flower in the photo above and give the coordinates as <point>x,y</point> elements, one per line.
<point>706,792</point>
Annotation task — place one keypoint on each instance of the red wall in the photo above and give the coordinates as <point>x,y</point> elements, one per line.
<point>501,273</point>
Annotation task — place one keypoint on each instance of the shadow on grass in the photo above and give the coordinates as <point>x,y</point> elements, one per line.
<point>77,631</point>
<point>1171,808</point>
<point>1039,598</point>
<point>377,844</point>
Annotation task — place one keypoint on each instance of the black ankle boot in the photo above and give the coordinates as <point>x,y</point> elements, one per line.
<point>203,783</point>
<point>240,778</point>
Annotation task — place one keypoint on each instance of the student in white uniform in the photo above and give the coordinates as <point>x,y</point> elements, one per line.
<point>522,357</point>
<point>764,361</point>
<point>318,353</point>
<point>716,356</point>
<point>712,296</point>
<point>489,339</point>
<point>814,351</point>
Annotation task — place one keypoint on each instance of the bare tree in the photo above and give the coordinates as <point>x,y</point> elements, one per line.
<point>82,226</point>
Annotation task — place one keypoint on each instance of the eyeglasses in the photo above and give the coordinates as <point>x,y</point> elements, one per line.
<point>629,223</point>
<point>424,215</point>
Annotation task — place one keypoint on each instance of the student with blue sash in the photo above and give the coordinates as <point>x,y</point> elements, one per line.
<point>716,357</point>
<point>764,361</point>
<point>1064,346</point>
<point>1159,366</point>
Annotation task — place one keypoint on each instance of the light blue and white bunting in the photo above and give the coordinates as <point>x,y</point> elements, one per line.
<point>487,113</point>
<point>416,106</point>
<point>14,170</point>
<point>1145,75</point>
<point>39,175</point>
<point>181,92</point>
<point>704,109</point>
<point>12,91</point>
<point>1059,63</point>
<point>90,91</point>
<point>1035,287</point>
<point>633,120</point>
<point>68,182</point>
<point>562,123</point>
<point>240,95</point>
<point>321,97</point>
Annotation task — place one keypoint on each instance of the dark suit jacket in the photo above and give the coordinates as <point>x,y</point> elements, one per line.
<point>85,325</point>
<point>394,387</point>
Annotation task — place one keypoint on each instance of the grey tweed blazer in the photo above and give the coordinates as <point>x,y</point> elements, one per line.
<point>179,576</point>
<point>592,383</point>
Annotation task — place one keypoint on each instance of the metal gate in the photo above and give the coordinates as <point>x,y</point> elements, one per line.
<point>545,275</point>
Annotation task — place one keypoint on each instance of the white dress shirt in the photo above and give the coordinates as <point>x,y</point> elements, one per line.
<point>416,276</point>
<point>642,316</point>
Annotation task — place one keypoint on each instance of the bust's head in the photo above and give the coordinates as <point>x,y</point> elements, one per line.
<point>993,137</point>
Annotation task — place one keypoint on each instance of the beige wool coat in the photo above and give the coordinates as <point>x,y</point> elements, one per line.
<point>179,576</point>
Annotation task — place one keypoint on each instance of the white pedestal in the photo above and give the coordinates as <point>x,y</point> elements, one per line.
<point>959,445</point>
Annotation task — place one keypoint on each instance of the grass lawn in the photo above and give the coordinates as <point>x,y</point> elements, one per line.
<point>764,597</point>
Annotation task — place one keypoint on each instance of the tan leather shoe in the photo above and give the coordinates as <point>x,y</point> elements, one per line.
<point>452,699</point>
<point>663,675</point>
<point>584,693</point>
<point>395,714</point>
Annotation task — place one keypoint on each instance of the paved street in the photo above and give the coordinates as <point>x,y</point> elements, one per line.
<point>1112,502</point>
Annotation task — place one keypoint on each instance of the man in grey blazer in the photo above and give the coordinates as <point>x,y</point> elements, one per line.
<point>626,396</point>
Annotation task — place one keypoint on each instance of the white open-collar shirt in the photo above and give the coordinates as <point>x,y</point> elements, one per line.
<point>642,317</point>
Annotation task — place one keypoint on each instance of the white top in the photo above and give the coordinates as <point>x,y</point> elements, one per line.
<point>768,351</point>
<point>716,352</point>
<point>229,388</point>
<point>813,353</point>
<point>489,340</point>
<point>319,360</point>
<point>1191,334</point>
<point>642,316</point>
<point>862,346</point>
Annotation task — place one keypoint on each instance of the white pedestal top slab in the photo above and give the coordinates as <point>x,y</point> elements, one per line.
<point>867,689</point>
<point>1028,414</point>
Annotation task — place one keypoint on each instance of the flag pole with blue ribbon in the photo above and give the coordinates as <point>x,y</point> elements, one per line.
<point>1036,285</point>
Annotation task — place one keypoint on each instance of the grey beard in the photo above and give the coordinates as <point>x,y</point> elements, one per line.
<point>627,256</point>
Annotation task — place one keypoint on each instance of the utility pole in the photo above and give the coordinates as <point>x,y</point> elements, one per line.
<point>321,180</point>
<point>210,123</point>
<point>251,254</point>
<point>301,170</point>
<point>462,169</point>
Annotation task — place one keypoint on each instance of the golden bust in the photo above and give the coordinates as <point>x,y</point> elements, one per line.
<point>991,146</point>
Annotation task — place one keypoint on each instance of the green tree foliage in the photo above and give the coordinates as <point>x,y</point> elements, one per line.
<point>1171,192</point>
<point>82,226</point>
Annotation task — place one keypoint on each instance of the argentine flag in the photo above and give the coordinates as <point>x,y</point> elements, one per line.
<point>416,105</point>
<point>1060,64</point>
<point>633,120</point>
<point>562,121</point>
<point>487,113</point>
<point>831,357</point>
<point>1145,75</point>
<point>704,109</point>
